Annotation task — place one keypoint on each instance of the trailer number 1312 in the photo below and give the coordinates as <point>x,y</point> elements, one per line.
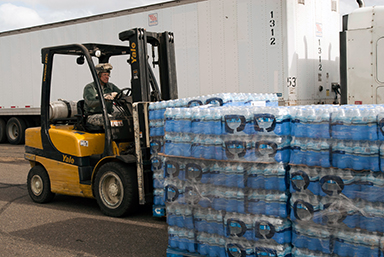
<point>272,24</point>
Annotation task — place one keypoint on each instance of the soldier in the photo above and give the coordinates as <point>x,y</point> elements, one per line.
<point>92,107</point>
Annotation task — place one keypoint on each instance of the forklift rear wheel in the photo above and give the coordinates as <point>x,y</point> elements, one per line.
<point>39,187</point>
<point>15,130</point>
<point>116,189</point>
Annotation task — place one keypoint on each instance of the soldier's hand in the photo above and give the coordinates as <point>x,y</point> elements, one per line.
<point>114,94</point>
<point>110,96</point>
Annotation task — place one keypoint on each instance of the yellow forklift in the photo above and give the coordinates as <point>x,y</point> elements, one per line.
<point>110,163</point>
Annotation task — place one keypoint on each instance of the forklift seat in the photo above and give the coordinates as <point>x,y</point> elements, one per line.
<point>81,122</point>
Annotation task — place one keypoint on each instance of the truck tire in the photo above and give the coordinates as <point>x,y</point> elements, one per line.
<point>15,130</point>
<point>116,190</point>
<point>39,185</point>
<point>3,137</point>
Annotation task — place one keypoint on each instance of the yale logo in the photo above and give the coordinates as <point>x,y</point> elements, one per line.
<point>133,53</point>
<point>68,159</point>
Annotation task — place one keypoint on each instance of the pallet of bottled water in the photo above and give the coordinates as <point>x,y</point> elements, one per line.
<point>272,181</point>
<point>179,113</point>
<point>336,180</point>
<point>225,180</point>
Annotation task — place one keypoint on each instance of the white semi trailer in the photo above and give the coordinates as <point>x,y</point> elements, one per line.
<point>288,47</point>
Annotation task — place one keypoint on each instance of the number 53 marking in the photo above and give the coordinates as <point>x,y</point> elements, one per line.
<point>291,82</point>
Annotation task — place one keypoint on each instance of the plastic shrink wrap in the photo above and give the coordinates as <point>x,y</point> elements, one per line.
<point>272,181</point>
<point>336,182</point>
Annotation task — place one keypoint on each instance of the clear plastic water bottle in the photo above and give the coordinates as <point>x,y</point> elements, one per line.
<point>256,202</point>
<point>270,180</point>
<point>208,147</point>
<point>196,124</point>
<point>370,130</point>
<point>200,215</point>
<point>187,119</point>
<point>179,215</point>
<point>161,110</point>
<point>168,143</point>
<point>216,121</point>
<point>220,200</point>
<point>210,221</point>
<point>202,245</point>
<point>158,197</point>
<point>301,120</point>
<point>186,144</point>
<point>169,120</point>
<point>152,110</point>
<point>178,146</point>
<point>171,214</point>
<point>337,123</point>
<point>276,204</point>
<point>351,113</point>
<point>252,176</point>
<point>188,217</point>
<point>218,147</point>
<point>241,206</point>
<point>197,148</point>
<point>190,241</point>
<point>296,153</point>
<point>173,237</point>
<point>342,154</point>
<point>152,128</point>
<point>231,203</point>
<point>158,179</point>
<point>177,120</point>
<point>214,170</point>
<point>183,238</point>
<point>219,226</point>
<point>208,114</point>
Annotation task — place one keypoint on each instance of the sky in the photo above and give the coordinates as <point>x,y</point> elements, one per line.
<point>16,14</point>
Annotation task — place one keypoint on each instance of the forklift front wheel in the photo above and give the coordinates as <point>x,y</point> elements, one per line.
<point>39,187</point>
<point>116,192</point>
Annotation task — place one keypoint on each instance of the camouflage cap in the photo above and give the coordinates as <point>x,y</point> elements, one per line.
<point>103,67</point>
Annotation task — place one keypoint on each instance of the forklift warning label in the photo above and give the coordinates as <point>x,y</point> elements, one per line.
<point>152,19</point>
<point>116,123</point>
<point>84,143</point>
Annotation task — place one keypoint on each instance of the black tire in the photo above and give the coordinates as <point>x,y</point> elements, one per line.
<point>3,136</point>
<point>39,186</point>
<point>15,130</point>
<point>116,190</point>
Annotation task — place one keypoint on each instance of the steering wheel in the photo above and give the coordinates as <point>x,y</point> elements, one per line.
<point>128,93</point>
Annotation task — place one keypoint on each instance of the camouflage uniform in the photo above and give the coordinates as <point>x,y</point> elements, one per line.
<point>92,107</point>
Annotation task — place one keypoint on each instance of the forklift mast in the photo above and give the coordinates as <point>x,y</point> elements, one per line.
<point>143,79</point>
<point>145,89</point>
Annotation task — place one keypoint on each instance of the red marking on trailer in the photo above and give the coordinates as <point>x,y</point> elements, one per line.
<point>27,106</point>
<point>153,19</point>
<point>319,29</point>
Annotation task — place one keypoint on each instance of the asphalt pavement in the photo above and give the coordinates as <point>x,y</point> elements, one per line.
<point>68,226</point>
